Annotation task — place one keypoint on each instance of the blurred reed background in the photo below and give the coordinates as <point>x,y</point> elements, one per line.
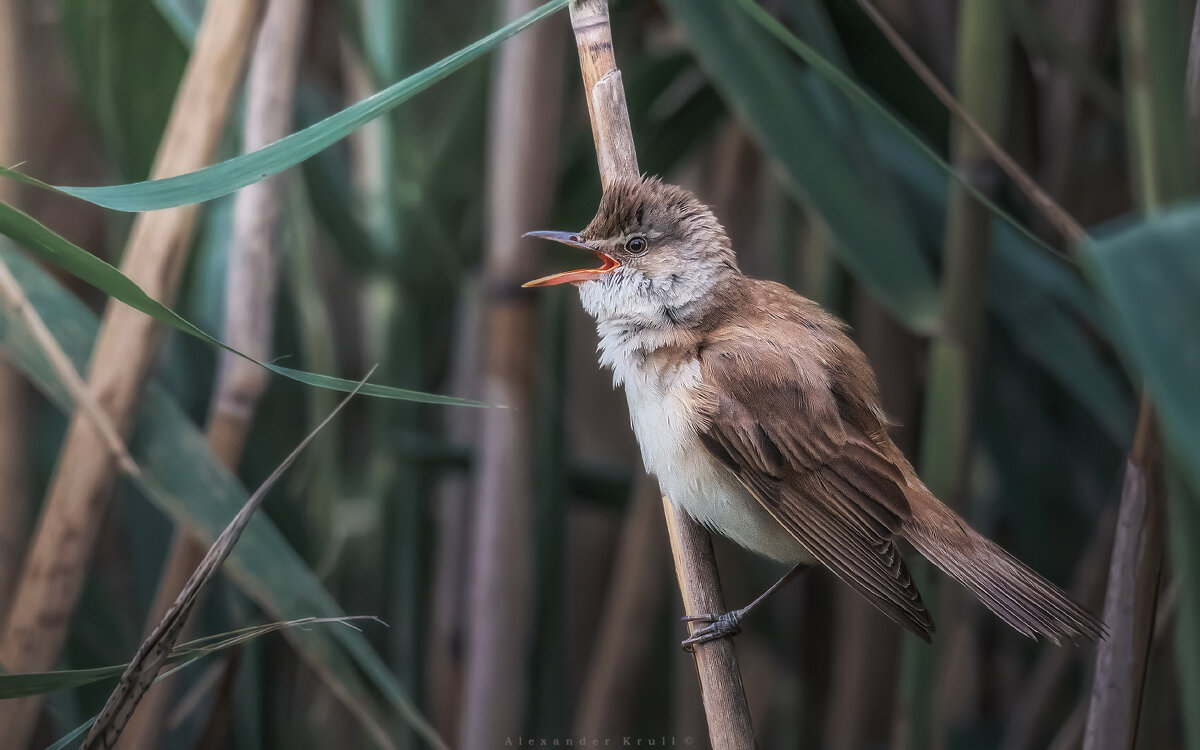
<point>518,555</point>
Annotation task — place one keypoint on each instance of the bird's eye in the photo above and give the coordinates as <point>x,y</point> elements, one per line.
<point>637,245</point>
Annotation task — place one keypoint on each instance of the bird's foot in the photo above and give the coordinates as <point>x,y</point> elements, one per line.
<point>719,626</point>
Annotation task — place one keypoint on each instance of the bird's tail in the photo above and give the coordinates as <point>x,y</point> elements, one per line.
<point>1029,603</point>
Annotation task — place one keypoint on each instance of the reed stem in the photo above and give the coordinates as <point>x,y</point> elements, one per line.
<point>720,680</point>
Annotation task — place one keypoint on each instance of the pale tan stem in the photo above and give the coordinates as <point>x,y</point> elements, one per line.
<point>721,687</point>
<point>83,480</point>
<point>14,298</point>
<point>720,681</point>
<point>605,93</point>
<point>522,151</point>
<point>249,312</point>
<point>1130,600</point>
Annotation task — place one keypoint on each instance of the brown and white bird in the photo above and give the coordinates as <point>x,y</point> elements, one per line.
<point>760,417</point>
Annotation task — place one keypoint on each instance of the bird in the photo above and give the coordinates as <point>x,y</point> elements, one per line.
<point>761,418</point>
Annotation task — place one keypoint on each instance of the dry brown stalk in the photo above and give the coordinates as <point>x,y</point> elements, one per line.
<point>14,297</point>
<point>1131,597</point>
<point>82,485</point>
<point>14,467</point>
<point>249,309</point>
<point>720,681</point>
<point>1062,221</point>
<point>522,157</point>
<point>721,687</point>
<point>611,131</point>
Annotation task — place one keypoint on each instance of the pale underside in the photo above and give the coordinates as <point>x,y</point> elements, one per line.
<point>663,405</point>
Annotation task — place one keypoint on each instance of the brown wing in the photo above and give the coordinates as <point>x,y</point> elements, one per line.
<point>774,420</point>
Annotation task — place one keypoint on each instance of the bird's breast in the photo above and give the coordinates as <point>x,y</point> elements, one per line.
<point>666,402</point>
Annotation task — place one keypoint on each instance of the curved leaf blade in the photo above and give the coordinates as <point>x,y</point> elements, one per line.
<point>40,240</point>
<point>227,176</point>
<point>766,88</point>
<point>187,483</point>
<point>1150,274</point>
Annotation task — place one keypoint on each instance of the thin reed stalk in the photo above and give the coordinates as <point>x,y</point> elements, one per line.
<point>249,312</point>
<point>522,156</point>
<point>84,477</point>
<point>948,425</point>
<point>720,681</point>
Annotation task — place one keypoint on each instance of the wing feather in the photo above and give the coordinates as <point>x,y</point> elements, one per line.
<point>825,480</point>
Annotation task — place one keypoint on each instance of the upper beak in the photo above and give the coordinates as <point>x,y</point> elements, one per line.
<point>582,274</point>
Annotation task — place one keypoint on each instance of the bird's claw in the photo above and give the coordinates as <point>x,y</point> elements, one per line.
<point>719,626</point>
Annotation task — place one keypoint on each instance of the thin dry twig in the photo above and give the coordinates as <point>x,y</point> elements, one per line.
<point>14,296</point>
<point>1131,596</point>
<point>1058,217</point>
<point>153,652</point>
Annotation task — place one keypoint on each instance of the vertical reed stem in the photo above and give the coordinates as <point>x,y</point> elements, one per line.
<point>720,680</point>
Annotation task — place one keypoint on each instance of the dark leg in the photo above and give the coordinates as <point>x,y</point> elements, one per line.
<point>730,623</point>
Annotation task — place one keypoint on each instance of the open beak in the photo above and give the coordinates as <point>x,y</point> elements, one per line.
<point>580,275</point>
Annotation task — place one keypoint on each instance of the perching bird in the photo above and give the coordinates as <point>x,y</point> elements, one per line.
<point>760,417</point>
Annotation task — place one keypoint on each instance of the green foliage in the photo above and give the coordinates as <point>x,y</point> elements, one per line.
<point>225,177</point>
<point>789,111</point>
<point>111,45</point>
<point>1149,272</point>
<point>376,270</point>
<point>31,235</point>
<point>186,481</point>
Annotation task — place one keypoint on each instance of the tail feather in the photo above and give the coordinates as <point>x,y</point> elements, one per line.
<point>1016,594</point>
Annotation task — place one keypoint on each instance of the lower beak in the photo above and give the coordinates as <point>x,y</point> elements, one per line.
<point>610,263</point>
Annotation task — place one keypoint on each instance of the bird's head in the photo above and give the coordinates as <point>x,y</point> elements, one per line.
<point>661,251</point>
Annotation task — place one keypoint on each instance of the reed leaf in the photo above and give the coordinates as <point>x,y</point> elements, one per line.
<point>1149,271</point>
<point>183,478</point>
<point>226,176</point>
<point>766,89</point>
<point>33,236</point>
<point>183,654</point>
